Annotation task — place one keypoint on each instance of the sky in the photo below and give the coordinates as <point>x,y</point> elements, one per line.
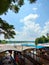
<point>31,21</point>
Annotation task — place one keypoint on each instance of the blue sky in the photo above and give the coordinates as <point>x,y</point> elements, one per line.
<point>31,22</point>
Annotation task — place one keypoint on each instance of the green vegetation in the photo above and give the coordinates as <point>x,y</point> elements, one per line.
<point>4,5</point>
<point>2,41</point>
<point>6,29</point>
<point>7,4</point>
<point>43,39</point>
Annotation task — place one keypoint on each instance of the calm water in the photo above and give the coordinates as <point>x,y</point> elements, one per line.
<point>32,45</point>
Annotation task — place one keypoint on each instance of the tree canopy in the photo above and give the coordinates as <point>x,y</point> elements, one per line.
<point>42,39</point>
<point>6,29</point>
<point>10,4</point>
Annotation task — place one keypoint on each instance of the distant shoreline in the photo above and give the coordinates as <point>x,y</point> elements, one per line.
<point>18,41</point>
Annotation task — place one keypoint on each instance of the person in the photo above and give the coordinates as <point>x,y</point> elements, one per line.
<point>0,61</point>
<point>10,51</point>
<point>17,59</point>
<point>45,54</point>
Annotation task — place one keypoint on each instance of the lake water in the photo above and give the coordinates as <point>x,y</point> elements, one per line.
<point>32,45</point>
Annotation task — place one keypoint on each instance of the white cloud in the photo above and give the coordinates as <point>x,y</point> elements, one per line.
<point>1,37</point>
<point>34,8</point>
<point>30,30</point>
<point>30,17</point>
<point>45,29</point>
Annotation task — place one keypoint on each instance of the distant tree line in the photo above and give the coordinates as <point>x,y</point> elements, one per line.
<point>2,42</point>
